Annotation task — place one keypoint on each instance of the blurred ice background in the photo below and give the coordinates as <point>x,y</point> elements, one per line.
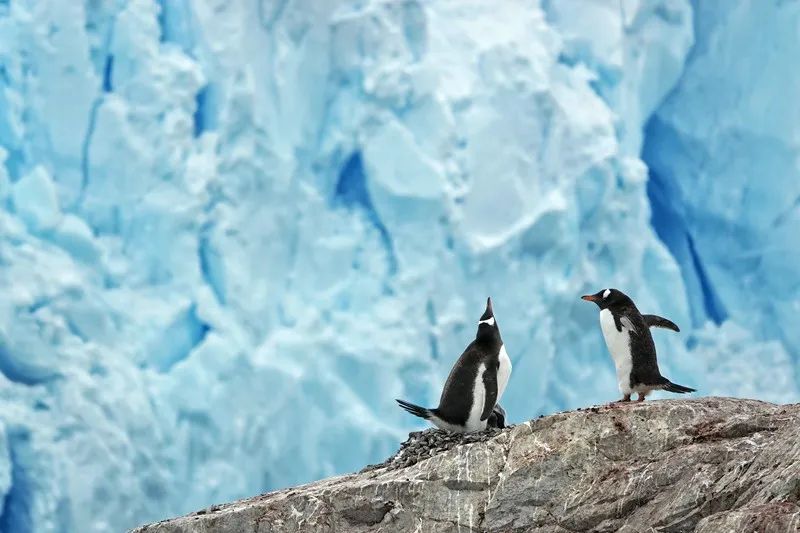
<point>233,231</point>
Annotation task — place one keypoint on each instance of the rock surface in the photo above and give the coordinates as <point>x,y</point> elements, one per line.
<point>705,465</point>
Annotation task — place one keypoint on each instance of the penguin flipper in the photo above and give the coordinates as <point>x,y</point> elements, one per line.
<point>655,321</point>
<point>490,386</point>
<point>674,387</point>
<point>416,410</point>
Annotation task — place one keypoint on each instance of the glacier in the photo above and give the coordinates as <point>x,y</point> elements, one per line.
<point>232,232</point>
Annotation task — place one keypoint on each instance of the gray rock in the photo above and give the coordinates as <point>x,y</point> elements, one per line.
<point>706,465</point>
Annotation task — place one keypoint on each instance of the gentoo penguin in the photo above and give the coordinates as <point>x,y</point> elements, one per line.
<point>497,418</point>
<point>475,385</point>
<point>628,339</point>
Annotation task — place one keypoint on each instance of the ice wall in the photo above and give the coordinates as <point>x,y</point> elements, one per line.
<point>723,156</point>
<point>232,232</point>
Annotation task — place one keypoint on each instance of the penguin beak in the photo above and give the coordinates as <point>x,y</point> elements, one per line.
<point>488,315</point>
<point>589,298</point>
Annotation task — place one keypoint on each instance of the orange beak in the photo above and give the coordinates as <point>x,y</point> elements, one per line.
<point>589,298</point>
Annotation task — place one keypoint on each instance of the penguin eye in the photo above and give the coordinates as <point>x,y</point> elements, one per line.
<point>606,293</point>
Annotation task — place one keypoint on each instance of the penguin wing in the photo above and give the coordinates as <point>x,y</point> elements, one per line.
<point>456,399</point>
<point>627,324</point>
<point>617,322</point>
<point>490,386</point>
<point>655,321</point>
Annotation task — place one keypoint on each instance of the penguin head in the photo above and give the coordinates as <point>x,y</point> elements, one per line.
<point>487,325</point>
<point>608,298</point>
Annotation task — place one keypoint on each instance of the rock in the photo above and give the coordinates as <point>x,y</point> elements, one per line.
<point>705,465</point>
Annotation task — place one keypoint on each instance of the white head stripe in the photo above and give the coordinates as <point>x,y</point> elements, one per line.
<point>489,321</point>
<point>606,293</point>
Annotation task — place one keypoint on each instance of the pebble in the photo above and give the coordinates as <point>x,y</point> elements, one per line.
<point>422,445</point>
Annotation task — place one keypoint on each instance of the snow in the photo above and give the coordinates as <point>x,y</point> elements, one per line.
<point>231,233</point>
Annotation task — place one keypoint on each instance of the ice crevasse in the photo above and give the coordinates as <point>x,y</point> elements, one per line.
<point>231,232</point>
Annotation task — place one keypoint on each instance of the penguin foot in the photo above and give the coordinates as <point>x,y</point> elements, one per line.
<point>625,399</point>
<point>641,397</point>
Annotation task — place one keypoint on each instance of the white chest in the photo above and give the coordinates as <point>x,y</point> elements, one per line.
<point>619,347</point>
<point>503,373</point>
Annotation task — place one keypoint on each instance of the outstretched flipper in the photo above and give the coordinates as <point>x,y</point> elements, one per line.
<point>416,410</point>
<point>655,321</point>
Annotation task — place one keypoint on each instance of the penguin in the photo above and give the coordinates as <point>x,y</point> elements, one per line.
<point>627,335</point>
<point>475,384</point>
<point>497,419</point>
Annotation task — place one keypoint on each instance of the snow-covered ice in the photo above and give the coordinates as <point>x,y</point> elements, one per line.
<point>232,232</point>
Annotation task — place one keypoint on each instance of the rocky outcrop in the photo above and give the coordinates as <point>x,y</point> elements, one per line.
<point>706,465</point>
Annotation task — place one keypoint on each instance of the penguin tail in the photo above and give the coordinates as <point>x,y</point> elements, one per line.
<point>674,387</point>
<point>416,410</point>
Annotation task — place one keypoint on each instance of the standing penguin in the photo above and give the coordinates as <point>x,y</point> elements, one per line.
<point>476,383</point>
<point>628,338</point>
